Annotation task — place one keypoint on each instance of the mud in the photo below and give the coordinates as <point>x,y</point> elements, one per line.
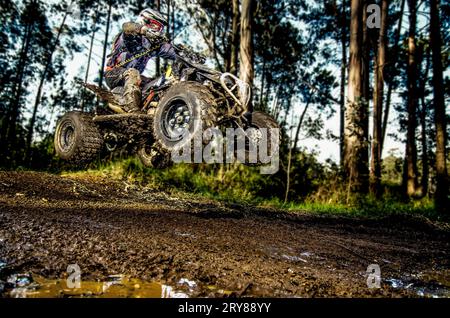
<point>202,248</point>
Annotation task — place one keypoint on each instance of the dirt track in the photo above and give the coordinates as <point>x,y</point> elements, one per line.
<point>111,227</point>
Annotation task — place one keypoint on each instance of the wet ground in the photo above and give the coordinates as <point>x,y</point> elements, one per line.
<point>131,241</point>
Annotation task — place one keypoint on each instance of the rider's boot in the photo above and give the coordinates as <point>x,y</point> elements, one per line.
<point>131,99</point>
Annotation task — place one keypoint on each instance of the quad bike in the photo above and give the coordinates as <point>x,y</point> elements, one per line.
<point>189,93</point>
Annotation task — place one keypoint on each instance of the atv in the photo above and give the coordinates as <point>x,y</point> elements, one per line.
<point>188,93</point>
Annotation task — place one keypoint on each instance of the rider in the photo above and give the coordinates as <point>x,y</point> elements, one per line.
<point>132,49</point>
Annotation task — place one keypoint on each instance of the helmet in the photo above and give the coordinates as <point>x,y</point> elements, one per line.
<point>152,19</point>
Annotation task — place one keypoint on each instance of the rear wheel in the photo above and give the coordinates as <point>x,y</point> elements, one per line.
<point>263,126</point>
<point>77,138</point>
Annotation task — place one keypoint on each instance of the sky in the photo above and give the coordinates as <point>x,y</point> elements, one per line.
<point>325,149</point>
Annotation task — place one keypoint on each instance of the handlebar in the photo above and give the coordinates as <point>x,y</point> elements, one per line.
<point>181,50</point>
<point>155,36</point>
<point>187,52</point>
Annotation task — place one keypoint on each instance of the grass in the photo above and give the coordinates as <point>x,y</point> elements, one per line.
<point>242,185</point>
<point>369,210</point>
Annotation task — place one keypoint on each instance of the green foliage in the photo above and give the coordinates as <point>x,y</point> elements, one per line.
<point>368,207</point>
<point>227,182</point>
<point>392,169</point>
<point>318,193</point>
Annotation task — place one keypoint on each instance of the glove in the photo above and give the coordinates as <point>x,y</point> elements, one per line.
<point>154,36</point>
<point>143,30</point>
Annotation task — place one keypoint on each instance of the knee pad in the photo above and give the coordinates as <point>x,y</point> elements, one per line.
<point>133,76</point>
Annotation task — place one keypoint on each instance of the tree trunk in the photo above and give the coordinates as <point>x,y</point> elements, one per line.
<point>157,60</point>
<point>169,18</point>
<point>263,78</point>
<point>288,170</point>
<point>47,65</point>
<point>234,37</point>
<point>91,45</point>
<point>423,122</point>
<point>246,49</point>
<point>425,165</point>
<point>268,88</point>
<point>275,105</point>
<point>366,47</point>
<point>292,149</point>
<point>105,43</point>
<point>172,20</point>
<point>392,57</point>
<point>17,92</point>
<point>375,166</point>
<point>343,69</point>
<point>288,176</point>
<point>355,141</point>
<point>410,174</point>
<point>365,58</point>
<point>439,109</point>
<point>300,123</point>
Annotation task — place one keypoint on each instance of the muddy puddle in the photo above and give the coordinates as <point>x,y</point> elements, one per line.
<point>432,284</point>
<point>114,286</point>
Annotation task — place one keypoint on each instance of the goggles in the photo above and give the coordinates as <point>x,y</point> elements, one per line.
<point>154,25</point>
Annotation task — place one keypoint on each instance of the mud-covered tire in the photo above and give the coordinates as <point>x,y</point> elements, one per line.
<point>77,138</point>
<point>261,120</point>
<point>152,158</point>
<point>198,101</point>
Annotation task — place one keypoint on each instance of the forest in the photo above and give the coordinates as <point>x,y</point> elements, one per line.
<point>378,71</point>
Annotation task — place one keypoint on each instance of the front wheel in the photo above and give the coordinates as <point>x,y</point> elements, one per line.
<point>185,111</point>
<point>150,157</point>
<point>77,138</point>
